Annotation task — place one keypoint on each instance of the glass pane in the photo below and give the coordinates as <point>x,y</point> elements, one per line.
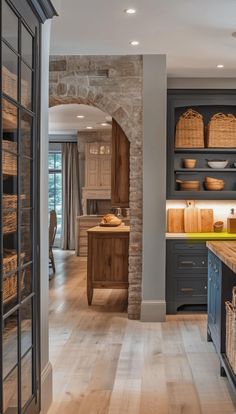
<point>26,45</point>
<point>58,161</point>
<point>9,72</point>
<point>9,25</point>
<point>51,161</point>
<point>26,85</point>
<point>10,394</point>
<point>27,378</point>
<point>10,333</point>
<point>9,125</point>
<point>26,327</point>
<point>26,240</point>
<point>26,282</point>
<point>26,134</point>
<point>9,273</point>
<point>26,181</point>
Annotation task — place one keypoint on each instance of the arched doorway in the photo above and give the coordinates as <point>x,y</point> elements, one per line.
<point>70,87</point>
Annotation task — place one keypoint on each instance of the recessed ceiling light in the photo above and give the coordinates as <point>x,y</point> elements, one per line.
<point>89,127</point>
<point>220,66</point>
<point>104,124</point>
<point>134,43</point>
<point>80,116</point>
<point>130,11</point>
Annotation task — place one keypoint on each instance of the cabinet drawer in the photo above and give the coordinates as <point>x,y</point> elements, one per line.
<point>191,287</point>
<point>184,262</point>
<point>177,245</point>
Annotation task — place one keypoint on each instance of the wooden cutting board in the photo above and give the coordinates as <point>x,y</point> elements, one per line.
<point>191,218</point>
<point>175,220</point>
<point>205,220</point>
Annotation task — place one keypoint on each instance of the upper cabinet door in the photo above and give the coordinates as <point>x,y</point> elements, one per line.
<point>120,167</point>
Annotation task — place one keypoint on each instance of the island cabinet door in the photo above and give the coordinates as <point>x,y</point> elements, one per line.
<point>101,258</point>
<point>120,247</point>
<point>214,299</point>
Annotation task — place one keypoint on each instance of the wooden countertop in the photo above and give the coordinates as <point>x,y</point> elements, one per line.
<point>226,251</point>
<point>202,236</point>
<point>118,229</point>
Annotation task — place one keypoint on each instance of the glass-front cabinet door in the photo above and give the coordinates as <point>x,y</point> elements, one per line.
<point>19,200</point>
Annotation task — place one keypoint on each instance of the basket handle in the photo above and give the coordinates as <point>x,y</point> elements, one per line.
<point>190,113</point>
<point>228,117</point>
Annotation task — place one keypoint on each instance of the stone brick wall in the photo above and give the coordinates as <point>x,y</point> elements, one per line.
<point>113,84</point>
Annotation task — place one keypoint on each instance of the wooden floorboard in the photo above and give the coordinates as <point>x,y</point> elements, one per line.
<point>104,363</point>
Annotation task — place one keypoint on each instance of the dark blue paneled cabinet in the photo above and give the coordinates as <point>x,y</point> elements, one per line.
<point>214,299</point>
<point>220,283</point>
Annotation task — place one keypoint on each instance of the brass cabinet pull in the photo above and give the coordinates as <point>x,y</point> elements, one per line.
<point>187,289</point>
<point>185,262</point>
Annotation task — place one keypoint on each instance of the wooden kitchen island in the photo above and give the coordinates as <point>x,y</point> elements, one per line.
<point>108,254</point>
<point>221,280</point>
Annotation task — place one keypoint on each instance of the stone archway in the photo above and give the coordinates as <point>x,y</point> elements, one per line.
<point>105,86</point>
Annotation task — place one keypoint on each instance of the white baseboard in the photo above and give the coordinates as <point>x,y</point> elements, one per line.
<point>153,311</point>
<point>46,388</point>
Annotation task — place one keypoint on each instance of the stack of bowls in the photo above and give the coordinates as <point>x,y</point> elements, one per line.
<point>213,184</point>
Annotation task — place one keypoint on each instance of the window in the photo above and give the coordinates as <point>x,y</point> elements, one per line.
<point>55,189</point>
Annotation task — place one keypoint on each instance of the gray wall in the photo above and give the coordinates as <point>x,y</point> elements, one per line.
<point>46,368</point>
<point>154,187</point>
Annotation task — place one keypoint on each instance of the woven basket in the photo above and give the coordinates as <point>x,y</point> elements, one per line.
<point>190,130</point>
<point>10,281</point>
<point>9,86</point>
<point>222,131</point>
<point>9,204</point>
<point>9,161</point>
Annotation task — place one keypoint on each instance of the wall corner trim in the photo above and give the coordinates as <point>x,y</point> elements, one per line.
<point>46,388</point>
<point>153,311</point>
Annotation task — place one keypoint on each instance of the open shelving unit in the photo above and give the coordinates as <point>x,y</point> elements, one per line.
<point>206,102</point>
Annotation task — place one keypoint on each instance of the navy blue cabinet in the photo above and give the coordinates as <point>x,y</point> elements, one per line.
<point>220,283</point>
<point>214,299</point>
<point>186,274</point>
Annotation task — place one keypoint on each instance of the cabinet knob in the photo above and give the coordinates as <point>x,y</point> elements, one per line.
<point>205,287</point>
<point>203,262</point>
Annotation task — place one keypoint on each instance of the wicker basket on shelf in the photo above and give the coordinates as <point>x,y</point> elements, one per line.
<point>9,87</point>
<point>9,204</point>
<point>222,131</point>
<point>190,130</point>
<point>230,345</point>
<point>9,276</point>
<point>9,160</point>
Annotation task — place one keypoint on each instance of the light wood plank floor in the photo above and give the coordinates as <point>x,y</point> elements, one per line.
<point>105,364</point>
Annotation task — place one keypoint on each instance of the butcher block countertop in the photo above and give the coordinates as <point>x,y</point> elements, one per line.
<point>226,251</point>
<point>117,229</point>
<point>202,236</point>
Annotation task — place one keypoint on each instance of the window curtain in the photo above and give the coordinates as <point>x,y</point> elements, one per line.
<point>71,194</point>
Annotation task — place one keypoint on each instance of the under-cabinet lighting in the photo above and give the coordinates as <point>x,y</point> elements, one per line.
<point>80,116</point>
<point>220,66</point>
<point>89,127</point>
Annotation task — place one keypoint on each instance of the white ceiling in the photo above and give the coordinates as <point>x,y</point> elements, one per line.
<point>194,34</point>
<point>63,119</point>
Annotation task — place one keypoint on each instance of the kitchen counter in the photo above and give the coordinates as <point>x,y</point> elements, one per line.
<point>225,251</point>
<point>117,229</point>
<point>202,236</point>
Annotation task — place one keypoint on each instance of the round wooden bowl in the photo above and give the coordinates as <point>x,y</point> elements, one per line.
<point>218,226</point>
<point>189,185</point>
<point>187,163</point>
<point>213,180</point>
<point>214,186</point>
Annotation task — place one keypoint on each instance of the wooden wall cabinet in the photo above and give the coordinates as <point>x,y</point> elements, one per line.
<point>120,167</point>
<point>108,251</point>
<point>98,165</point>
